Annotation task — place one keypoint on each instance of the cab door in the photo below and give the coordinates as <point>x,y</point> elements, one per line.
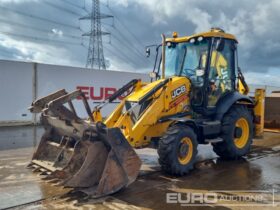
<point>221,75</point>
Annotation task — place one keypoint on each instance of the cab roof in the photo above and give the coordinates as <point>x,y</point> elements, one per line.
<point>214,32</point>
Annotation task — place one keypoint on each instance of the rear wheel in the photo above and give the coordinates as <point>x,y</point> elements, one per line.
<point>177,150</point>
<point>237,133</point>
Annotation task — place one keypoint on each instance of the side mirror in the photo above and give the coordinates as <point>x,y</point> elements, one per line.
<point>220,44</point>
<point>199,72</point>
<point>148,52</point>
<point>153,75</point>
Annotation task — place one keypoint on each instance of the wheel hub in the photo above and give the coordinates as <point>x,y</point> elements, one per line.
<point>183,150</point>
<point>237,132</point>
<point>241,133</point>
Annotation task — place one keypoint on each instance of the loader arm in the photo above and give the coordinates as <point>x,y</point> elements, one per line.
<point>133,131</point>
<point>127,88</point>
<point>139,114</point>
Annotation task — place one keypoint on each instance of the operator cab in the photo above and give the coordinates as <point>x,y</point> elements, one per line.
<point>208,60</point>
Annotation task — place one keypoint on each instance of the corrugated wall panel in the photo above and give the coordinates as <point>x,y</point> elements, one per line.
<point>15,90</point>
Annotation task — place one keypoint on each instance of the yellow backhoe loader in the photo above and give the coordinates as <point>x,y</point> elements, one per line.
<point>197,95</point>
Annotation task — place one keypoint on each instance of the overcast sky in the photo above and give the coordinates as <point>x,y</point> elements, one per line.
<point>49,31</point>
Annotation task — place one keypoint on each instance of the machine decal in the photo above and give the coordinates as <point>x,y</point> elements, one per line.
<point>178,100</point>
<point>178,91</point>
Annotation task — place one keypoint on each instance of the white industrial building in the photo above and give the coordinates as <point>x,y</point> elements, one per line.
<point>23,82</point>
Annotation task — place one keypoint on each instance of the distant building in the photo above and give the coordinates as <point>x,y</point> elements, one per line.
<point>274,94</point>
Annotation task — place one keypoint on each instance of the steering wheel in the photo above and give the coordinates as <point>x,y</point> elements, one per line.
<point>185,70</point>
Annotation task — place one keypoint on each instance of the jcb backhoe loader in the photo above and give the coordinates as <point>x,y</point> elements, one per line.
<point>198,96</point>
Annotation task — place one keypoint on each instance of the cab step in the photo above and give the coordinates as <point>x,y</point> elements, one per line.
<point>214,140</point>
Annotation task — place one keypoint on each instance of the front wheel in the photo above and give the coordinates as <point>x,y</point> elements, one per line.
<point>177,150</point>
<point>237,133</point>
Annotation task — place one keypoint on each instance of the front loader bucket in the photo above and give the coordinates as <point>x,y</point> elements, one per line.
<point>105,170</point>
<point>81,154</point>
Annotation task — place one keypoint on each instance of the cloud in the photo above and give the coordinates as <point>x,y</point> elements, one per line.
<point>254,22</point>
<point>140,23</point>
<point>17,1</point>
<point>57,32</point>
<point>38,52</point>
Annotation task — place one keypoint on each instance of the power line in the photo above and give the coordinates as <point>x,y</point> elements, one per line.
<point>36,28</point>
<point>119,20</point>
<point>75,5</point>
<point>132,35</point>
<point>39,18</point>
<point>120,54</point>
<point>112,52</point>
<point>123,35</point>
<point>103,23</point>
<point>129,47</point>
<point>127,43</point>
<point>61,8</point>
<point>130,43</point>
<point>117,55</point>
<point>124,55</point>
<point>39,38</point>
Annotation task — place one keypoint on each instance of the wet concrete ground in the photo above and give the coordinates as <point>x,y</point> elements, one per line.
<point>258,174</point>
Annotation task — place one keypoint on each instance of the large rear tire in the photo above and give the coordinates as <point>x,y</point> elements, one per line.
<point>237,133</point>
<point>177,150</point>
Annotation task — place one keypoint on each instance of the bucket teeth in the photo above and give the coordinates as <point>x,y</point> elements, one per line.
<point>44,173</point>
<point>30,166</point>
<point>53,181</point>
<point>36,169</point>
<point>48,177</point>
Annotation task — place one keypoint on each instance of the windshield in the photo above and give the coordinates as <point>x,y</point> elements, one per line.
<point>182,59</point>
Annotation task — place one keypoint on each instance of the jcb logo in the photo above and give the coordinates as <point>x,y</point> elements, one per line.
<point>180,90</point>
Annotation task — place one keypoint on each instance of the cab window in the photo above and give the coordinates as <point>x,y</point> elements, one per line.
<point>220,72</point>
